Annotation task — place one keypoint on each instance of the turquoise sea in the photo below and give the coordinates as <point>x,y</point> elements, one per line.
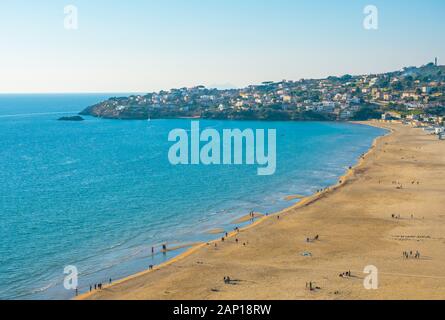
<point>99,194</point>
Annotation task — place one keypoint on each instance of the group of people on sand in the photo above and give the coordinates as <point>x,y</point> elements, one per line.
<point>227,280</point>
<point>316,238</point>
<point>311,286</point>
<point>237,241</point>
<point>99,286</point>
<point>400,185</point>
<point>411,255</point>
<point>346,274</point>
<point>223,239</point>
<point>398,217</point>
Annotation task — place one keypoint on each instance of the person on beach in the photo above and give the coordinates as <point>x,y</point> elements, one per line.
<point>91,288</point>
<point>110,281</point>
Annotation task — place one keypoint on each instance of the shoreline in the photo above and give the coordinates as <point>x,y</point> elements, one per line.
<point>258,218</point>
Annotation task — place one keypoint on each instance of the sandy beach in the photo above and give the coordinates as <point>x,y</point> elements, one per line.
<point>390,203</point>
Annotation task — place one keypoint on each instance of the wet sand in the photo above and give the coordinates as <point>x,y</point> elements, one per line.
<point>402,175</point>
<point>294,197</point>
<point>248,218</point>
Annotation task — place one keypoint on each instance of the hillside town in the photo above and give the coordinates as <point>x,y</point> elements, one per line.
<point>410,94</point>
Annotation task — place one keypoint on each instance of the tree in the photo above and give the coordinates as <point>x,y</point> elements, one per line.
<point>366,113</point>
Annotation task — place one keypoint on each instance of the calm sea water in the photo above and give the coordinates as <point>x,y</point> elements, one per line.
<point>99,194</point>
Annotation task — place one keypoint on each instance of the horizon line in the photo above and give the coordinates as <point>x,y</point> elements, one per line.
<point>210,86</point>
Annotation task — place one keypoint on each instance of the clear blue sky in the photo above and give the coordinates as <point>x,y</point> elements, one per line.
<point>139,46</point>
